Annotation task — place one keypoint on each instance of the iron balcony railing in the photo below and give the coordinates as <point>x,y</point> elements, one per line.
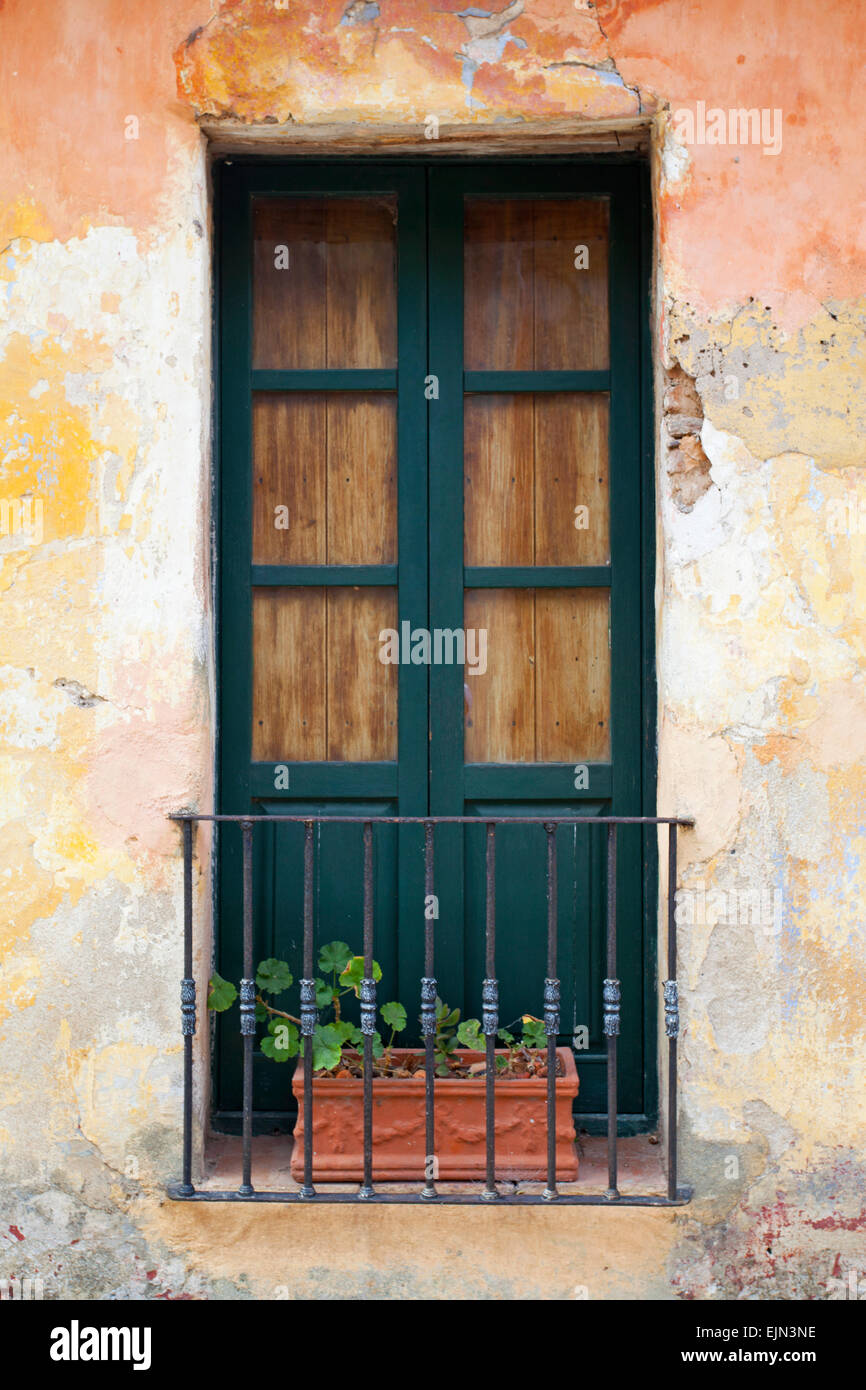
<point>366,1192</point>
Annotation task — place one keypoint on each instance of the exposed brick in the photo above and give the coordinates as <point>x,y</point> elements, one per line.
<point>681,398</point>
<point>679,425</point>
<point>689,470</point>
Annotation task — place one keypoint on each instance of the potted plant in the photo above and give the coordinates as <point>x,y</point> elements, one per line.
<point>398,1085</point>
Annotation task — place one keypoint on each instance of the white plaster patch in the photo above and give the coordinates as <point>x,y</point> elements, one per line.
<point>800,804</point>
<point>736,616</point>
<point>694,534</point>
<point>30,710</point>
<point>164,293</point>
<point>755,712</point>
<point>676,160</point>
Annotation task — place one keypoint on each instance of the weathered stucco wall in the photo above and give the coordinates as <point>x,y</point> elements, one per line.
<point>107,700</point>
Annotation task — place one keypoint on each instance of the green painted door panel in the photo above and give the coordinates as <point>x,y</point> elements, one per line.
<point>621,785</point>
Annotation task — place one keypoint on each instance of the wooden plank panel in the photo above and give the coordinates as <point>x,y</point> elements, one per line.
<point>288,675</point>
<point>289,448</point>
<point>498,295</point>
<point>530,461</point>
<point>570,317</point>
<point>362,692</point>
<point>527,305</point>
<point>500,704</point>
<point>571,471</point>
<point>362,282</point>
<point>362,479</point>
<point>324,283</point>
<point>345,513</point>
<point>289,301</point>
<point>573,676</point>
<point>498,480</point>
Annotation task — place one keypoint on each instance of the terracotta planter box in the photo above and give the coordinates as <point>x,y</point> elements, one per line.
<point>398,1126</point>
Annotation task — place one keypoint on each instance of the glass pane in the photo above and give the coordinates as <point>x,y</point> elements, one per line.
<point>324,283</point>
<point>320,691</point>
<point>536,479</point>
<point>545,694</point>
<point>324,478</point>
<point>536,295</point>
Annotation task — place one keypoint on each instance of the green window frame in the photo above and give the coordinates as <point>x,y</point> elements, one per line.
<point>430,575</point>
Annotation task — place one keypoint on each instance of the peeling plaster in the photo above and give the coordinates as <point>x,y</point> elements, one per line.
<point>523,60</point>
<point>489,37</point>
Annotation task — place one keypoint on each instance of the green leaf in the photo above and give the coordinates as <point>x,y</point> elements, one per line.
<point>327,1047</point>
<point>222,994</point>
<point>353,973</point>
<point>324,994</point>
<point>273,976</point>
<point>533,1031</point>
<point>505,1036</point>
<point>346,1032</point>
<point>335,956</point>
<point>261,1012</point>
<point>378,1045</point>
<point>282,1040</point>
<point>468,1033</point>
<point>443,1051</point>
<point>394,1015</point>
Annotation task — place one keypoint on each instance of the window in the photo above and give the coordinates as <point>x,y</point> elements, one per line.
<point>435,597</point>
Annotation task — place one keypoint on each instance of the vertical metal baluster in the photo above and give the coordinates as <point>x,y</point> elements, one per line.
<point>187,1010</point>
<point>672,1012</point>
<point>428,1022</point>
<point>551,1011</point>
<point>490,1016</point>
<point>248,1011</point>
<point>368,1012</point>
<point>612,995</point>
<point>308,1012</point>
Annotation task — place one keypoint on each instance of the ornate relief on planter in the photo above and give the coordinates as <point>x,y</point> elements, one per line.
<point>398,1126</point>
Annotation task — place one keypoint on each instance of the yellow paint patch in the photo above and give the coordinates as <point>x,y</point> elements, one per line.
<point>46,448</point>
<point>781,391</point>
<point>19,982</point>
<point>23,219</point>
<point>28,890</point>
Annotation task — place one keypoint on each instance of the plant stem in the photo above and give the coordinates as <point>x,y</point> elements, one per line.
<point>271,1010</point>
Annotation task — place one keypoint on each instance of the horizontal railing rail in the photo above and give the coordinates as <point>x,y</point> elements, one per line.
<point>428,1192</point>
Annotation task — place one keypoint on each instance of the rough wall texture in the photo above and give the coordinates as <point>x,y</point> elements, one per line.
<point>107,704</point>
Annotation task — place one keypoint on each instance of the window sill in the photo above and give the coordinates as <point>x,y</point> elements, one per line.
<point>641,1175</point>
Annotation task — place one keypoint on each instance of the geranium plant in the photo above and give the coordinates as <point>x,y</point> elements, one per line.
<point>338,1043</point>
